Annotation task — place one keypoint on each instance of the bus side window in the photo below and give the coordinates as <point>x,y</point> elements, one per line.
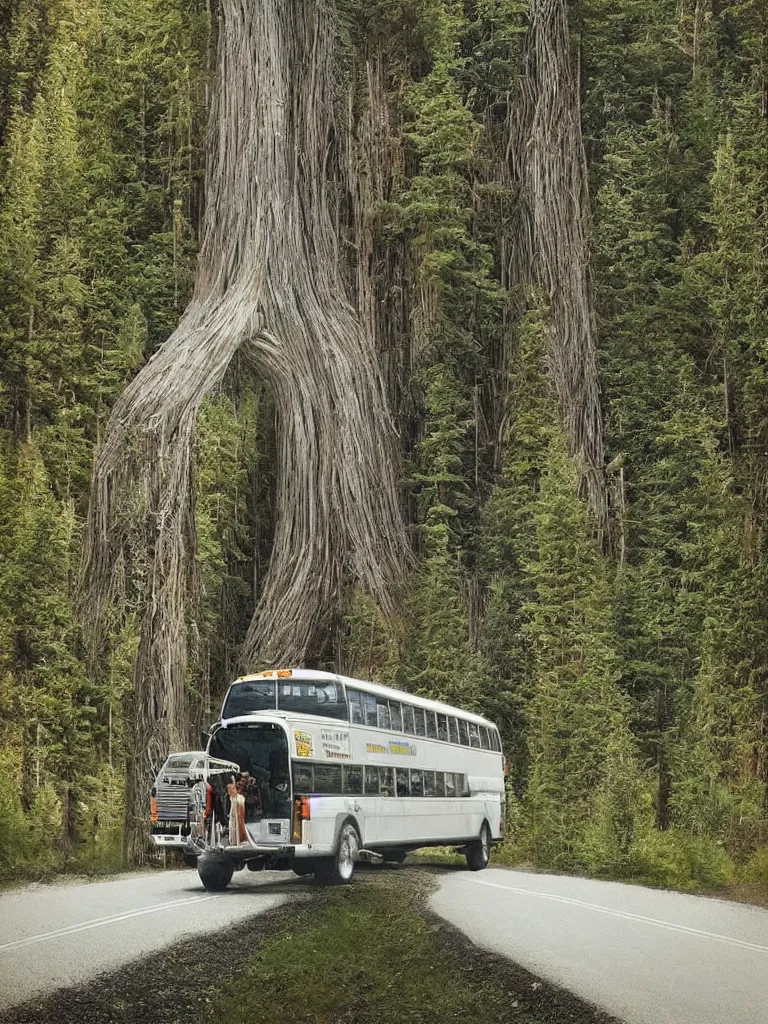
<point>450,784</point>
<point>409,725</point>
<point>496,740</point>
<point>463,734</point>
<point>382,710</point>
<point>355,699</point>
<point>417,782</point>
<point>442,728</point>
<point>461,785</point>
<point>439,784</point>
<point>431,727</point>
<point>371,781</point>
<point>328,779</point>
<point>387,781</point>
<point>453,730</point>
<point>352,779</point>
<point>403,782</point>
<point>370,709</point>
<point>420,727</point>
<point>429,783</point>
<point>302,779</point>
<point>485,743</point>
<point>474,735</point>
<point>396,715</point>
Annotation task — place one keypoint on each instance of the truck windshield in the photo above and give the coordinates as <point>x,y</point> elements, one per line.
<point>261,751</point>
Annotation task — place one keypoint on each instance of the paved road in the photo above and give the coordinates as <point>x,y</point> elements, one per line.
<point>64,934</point>
<point>646,956</point>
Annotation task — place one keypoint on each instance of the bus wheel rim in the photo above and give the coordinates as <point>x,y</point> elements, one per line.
<point>347,854</point>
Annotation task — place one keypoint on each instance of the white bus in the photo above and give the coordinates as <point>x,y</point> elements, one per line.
<point>335,770</point>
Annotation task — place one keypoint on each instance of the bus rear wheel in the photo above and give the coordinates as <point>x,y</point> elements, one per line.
<point>479,853</point>
<point>215,872</point>
<point>339,869</point>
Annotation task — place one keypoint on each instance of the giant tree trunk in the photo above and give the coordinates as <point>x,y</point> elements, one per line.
<point>268,285</point>
<point>549,164</point>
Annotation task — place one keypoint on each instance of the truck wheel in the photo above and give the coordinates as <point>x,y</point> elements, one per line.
<point>215,872</point>
<point>339,869</point>
<point>478,854</point>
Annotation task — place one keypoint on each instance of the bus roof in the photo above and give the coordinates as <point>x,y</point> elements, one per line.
<point>376,688</point>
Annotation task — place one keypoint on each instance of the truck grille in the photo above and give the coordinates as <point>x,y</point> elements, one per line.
<point>172,799</point>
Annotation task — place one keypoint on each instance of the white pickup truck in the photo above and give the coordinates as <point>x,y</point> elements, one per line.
<point>169,804</point>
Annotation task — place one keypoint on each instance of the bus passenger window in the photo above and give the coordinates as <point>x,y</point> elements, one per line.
<point>328,779</point>
<point>442,728</point>
<point>421,729</point>
<point>396,715</point>
<point>453,730</point>
<point>370,709</point>
<point>439,784</point>
<point>429,783</point>
<point>387,781</point>
<point>496,740</point>
<point>417,783</point>
<point>431,727</point>
<point>409,725</point>
<point>355,699</point>
<point>450,784</point>
<point>484,741</point>
<point>302,779</point>
<point>382,710</point>
<point>463,734</point>
<point>352,779</point>
<point>461,785</point>
<point>372,781</point>
<point>403,782</point>
<point>474,735</point>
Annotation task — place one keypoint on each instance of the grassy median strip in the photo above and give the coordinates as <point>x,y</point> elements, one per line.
<point>369,953</point>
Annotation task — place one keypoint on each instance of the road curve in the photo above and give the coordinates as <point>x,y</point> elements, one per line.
<point>646,956</point>
<point>65,934</point>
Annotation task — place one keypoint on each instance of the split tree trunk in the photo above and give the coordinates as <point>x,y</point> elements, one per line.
<point>269,286</point>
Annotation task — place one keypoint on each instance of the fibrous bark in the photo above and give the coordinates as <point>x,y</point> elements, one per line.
<point>547,154</point>
<point>268,286</point>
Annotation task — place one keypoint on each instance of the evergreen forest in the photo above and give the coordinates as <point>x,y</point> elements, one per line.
<point>420,340</point>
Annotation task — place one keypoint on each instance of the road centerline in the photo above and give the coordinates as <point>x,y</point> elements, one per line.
<point>99,922</point>
<point>627,915</point>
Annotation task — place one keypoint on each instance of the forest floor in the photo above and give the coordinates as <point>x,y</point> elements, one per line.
<point>370,953</point>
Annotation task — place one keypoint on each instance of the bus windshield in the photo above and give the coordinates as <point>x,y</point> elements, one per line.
<point>313,697</point>
<point>304,696</point>
<point>243,698</point>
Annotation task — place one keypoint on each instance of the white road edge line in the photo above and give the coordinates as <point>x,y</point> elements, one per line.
<point>627,915</point>
<point>98,922</point>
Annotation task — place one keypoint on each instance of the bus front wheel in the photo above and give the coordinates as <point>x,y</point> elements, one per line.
<point>338,869</point>
<point>215,872</point>
<point>479,853</point>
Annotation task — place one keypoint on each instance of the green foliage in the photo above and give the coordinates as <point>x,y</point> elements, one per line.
<point>227,434</point>
<point>99,183</point>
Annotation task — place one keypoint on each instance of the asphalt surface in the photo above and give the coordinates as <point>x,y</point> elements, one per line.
<point>65,934</point>
<point>644,955</point>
